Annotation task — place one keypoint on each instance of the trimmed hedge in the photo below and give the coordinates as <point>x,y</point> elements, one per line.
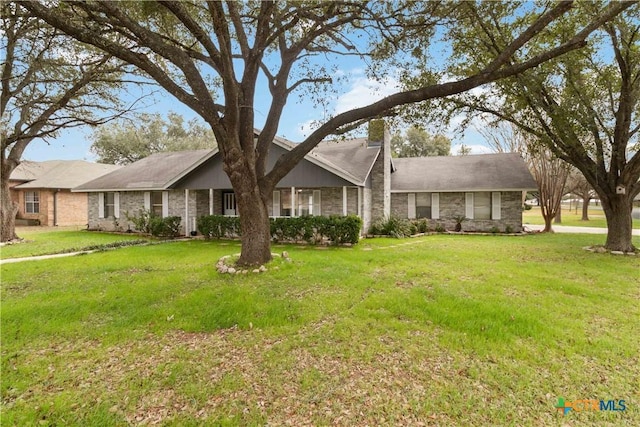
<point>165,227</point>
<point>311,229</point>
<point>219,226</point>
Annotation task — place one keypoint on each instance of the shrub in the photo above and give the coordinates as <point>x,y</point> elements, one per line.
<point>342,229</point>
<point>219,226</point>
<point>165,227</point>
<point>392,226</point>
<point>459,219</point>
<point>422,225</point>
<point>141,222</point>
<point>311,229</point>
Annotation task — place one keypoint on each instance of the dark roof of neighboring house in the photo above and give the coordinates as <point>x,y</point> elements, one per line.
<point>156,172</point>
<point>482,172</point>
<point>58,174</point>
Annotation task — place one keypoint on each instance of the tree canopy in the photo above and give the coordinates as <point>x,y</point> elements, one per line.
<point>49,82</point>
<point>416,142</point>
<point>126,141</point>
<point>211,55</point>
<point>583,107</point>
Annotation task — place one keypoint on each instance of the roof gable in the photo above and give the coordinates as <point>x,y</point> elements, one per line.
<point>60,174</point>
<point>156,172</point>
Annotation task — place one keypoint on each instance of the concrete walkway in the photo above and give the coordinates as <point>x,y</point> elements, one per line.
<point>36,258</point>
<point>571,229</point>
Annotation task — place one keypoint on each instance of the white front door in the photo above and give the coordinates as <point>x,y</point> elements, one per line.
<point>229,204</point>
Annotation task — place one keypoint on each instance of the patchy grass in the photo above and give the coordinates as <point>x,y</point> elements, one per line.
<point>439,330</point>
<point>572,218</point>
<point>52,240</point>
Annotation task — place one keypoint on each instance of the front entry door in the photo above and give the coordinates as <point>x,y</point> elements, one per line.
<point>229,203</point>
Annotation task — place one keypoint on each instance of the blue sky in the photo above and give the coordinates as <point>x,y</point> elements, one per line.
<point>358,90</point>
<point>352,89</point>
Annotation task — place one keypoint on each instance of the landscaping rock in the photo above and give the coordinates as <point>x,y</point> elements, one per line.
<point>617,253</point>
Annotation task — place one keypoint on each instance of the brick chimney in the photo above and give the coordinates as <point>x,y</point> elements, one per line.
<point>379,137</point>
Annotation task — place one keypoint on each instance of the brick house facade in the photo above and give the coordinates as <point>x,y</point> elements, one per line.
<point>42,191</point>
<point>337,178</point>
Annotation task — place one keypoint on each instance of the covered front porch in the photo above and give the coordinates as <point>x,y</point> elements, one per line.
<point>286,202</point>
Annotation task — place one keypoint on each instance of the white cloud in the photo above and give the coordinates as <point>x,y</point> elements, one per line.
<point>305,128</point>
<point>360,91</point>
<point>364,91</point>
<point>475,149</point>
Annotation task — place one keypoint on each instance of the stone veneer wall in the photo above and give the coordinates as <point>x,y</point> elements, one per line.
<point>331,199</point>
<point>132,202</point>
<point>453,204</point>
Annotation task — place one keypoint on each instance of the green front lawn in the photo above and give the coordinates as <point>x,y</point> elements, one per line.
<point>439,330</point>
<point>49,240</point>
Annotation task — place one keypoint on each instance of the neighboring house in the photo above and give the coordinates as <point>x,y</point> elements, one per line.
<point>347,177</point>
<point>42,191</point>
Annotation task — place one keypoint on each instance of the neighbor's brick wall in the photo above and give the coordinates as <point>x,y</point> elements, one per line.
<point>72,208</point>
<point>43,215</point>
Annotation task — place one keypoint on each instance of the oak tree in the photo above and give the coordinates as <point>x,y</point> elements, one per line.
<point>131,139</point>
<point>583,107</point>
<point>49,82</point>
<point>212,55</point>
<point>416,142</point>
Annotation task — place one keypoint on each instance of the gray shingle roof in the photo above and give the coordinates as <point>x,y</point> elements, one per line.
<point>156,172</point>
<point>483,172</point>
<point>353,156</point>
<point>59,173</point>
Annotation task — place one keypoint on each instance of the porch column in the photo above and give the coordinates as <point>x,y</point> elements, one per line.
<point>293,201</point>
<point>344,201</point>
<point>186,213</point>
<point>211,201</point>
<point>360,202</point>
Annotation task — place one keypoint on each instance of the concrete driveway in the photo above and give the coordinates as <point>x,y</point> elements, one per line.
<point>570,229</point>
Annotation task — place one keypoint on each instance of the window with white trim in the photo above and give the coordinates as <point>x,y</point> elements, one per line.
<point>423,205</point>
<point>285,203</point>
<point>482,205</point>
<point>109,205</point>
<point>32,202</point>
<point>156,203</point>
<point>304,199</point>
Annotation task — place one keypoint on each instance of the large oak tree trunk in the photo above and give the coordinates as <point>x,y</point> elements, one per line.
<point>255,229</point>
<point>255,226</point>
<point>8,209</point>
<point>617,209</point>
